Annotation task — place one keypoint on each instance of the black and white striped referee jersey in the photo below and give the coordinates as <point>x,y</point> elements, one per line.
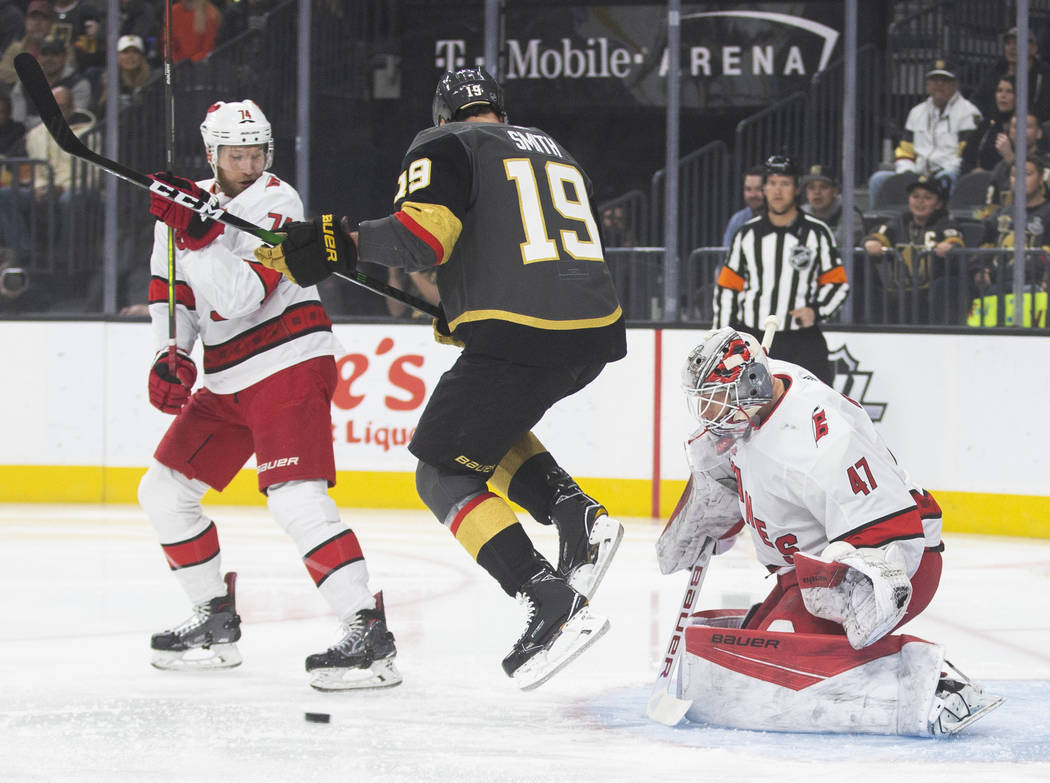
<point>773,269</point>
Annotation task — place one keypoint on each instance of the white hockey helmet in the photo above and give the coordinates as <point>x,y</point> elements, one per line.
<point>235,124</point>
<point>726,380</point>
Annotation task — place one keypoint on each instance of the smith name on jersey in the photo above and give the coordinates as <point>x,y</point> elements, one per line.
<point>504,212</point>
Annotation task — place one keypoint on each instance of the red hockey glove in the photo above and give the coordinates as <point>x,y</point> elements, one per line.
<point>312,250</point>
<point>168,394</point>
<point>191,231</point>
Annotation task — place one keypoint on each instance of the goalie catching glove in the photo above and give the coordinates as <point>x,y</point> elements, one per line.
<point>191,231</point>
<point>312,250</point>
<point>866,590</point>
<point>708,508</point>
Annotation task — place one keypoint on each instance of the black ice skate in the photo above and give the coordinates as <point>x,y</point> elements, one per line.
<point>363,658</point>
<point>560,626</point>
<point>587,539</point>
<point>958,703</point>
<point>205,640</point>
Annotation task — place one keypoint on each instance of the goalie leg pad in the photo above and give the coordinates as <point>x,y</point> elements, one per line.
<point>769,681</point>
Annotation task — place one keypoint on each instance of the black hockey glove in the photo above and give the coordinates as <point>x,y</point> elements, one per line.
<point>312,250</point>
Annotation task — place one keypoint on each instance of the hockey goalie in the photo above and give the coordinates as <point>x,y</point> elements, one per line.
<point>855,546</point>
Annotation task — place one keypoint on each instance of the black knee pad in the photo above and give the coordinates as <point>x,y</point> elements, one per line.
<point>442,489</point>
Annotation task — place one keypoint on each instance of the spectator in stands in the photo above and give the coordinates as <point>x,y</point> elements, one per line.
<point>12,133</point>
<point>133,72</point>
<point>80,24</point>
<point>243,16</point>
<point>1038,77</point>
<point>999,232</point>
<point>194,26</point>
<point>824,201</point>
<point>921,234</point>
<point>12,23</point>
<point>59,71</point>
<point>982,153</point>
<point>754,202</point>
<point>1000,191</point>
<point>16,204</point>
<point>935,132</point>
<point>12,145</point>
<point>139,17</point>
<point>39,18</point>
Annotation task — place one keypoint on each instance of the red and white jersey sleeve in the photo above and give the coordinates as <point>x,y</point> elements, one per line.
<point>252,321</point>
<point>817,471</point>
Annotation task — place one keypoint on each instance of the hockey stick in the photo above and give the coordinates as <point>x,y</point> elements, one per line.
<point>169,158</point>
<point>36,85</point>
<point>663,707</point>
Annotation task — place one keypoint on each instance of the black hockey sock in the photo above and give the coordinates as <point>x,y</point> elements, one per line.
<point>536,484</point>
<point>511,559</point>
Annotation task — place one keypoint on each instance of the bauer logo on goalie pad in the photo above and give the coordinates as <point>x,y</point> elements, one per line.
<point>203,208</point>
<point>743,641</point>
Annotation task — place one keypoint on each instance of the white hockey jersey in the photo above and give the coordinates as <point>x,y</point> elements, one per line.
<point>816,471</point>
<point>252,321</point>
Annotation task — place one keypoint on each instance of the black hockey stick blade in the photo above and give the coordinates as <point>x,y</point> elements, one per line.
<point>36,85</point>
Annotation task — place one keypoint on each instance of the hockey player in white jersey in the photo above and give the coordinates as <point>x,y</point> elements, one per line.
<point>855,545</point>
<point>269,375</point>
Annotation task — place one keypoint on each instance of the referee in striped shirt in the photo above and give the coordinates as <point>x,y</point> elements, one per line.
<point>783,262</point>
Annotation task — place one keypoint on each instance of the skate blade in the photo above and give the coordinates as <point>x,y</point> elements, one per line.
<point>606,535</point>
<point>198,659</point>
<point>992,703</point>
<point>579,633</point>
<point>381,674</point>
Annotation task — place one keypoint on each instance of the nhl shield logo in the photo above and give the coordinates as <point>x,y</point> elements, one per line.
<point>852,382</point>
<point>801,257</point>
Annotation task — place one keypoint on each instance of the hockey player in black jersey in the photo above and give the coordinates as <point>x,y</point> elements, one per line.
<point>504,214</point>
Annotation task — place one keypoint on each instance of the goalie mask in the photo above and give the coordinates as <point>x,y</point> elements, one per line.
<point>466,87</point>
<point>726,381</point>
<point>235,124</point>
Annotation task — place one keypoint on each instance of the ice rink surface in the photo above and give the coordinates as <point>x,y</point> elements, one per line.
<point>84,586</point>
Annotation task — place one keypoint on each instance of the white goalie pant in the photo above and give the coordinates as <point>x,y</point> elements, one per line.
<point>774,681</point>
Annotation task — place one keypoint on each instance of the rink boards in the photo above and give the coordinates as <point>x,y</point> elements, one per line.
<point>964,413</point>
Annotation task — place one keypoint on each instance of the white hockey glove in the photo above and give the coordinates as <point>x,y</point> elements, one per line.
<point>866,590</point>
<point>708,509</point>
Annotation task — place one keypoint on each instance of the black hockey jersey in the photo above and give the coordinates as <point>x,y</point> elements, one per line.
<point>504,213</point>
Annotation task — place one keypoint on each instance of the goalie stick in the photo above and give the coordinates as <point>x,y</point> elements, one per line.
<point>36,85</point>
<point>662,706</point>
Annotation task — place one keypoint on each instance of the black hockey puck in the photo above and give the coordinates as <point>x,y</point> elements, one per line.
<point>318,717</point>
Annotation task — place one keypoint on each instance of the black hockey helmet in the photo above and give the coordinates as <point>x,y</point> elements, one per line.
<point>782,164</point>
<point>466,87</point>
